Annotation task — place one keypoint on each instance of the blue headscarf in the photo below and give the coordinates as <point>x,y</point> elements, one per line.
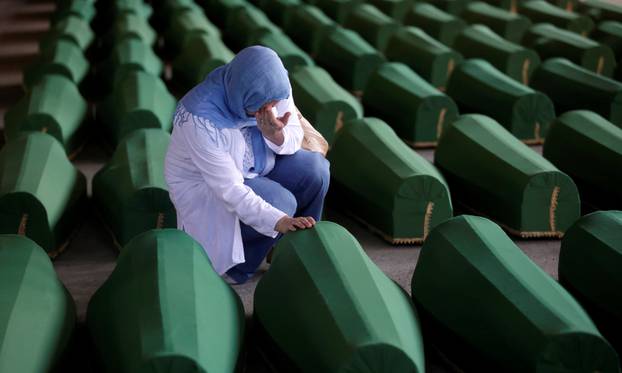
<point>253,78</point>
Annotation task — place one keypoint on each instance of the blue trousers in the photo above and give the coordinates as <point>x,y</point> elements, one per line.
<point>297,186</point>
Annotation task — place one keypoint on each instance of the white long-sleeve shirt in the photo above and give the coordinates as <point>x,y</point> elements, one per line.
<point>205,175</point>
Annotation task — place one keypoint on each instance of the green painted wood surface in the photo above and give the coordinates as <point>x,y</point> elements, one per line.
<point>42,194</point>
<point>164,309</point>
<point>291,55</point>
<point>416,110</point>
<point>540,11</point>
<point>492,173</point>
<point>325,104</point>
<point>63,58</point>
<point>54,106</point>
<point>478,87</point>
<point>573,87</point>
<point>429,58</point>
<point>138,100</point>
<point>200,55</point>
<point>307,25</point>
<point>373,25</point>
<point>589,267</point>
<point>328,307</point>
<point>130,191</point>
<point>37,313</point>
<point>348,58</point>
<point>514,60</point>
<point>497,306</point>
<point>551,42</point>
<point>440,25</point>
<point>588,148</point>
<point>403,198</point>
<point>510,26</point>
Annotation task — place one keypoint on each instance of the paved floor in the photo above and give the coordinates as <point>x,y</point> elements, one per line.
<point>91,255</point>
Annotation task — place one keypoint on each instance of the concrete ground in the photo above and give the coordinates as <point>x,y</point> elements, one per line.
<point>91,255</point>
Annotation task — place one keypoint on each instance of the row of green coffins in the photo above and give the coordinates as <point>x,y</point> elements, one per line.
<point>43,195</point>
<point>404,198</point>
<point>138,99</point>
<point>494,310</point>
<point>378,331</point>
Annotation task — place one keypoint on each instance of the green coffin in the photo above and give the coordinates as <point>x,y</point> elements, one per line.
<point>290,54</point>
<point>166,10</point>
<point>54,106</point>
<point>588,148</point>
<point>307,25</point>
<point>130,191</point>
<point>568,5</point>
<point>603,10</point>
<point>442,26</point>
<point>224,9</point>
<point>572,87</point>
<point>478,87</point>
<point>37,313</point>
<point>185,25</point>
<point>416,110</point>
<point>373,25</point>
<point>540,11</point>
<point>322,101</point>
<point>278,10</point>
<point>137,7</point>
<point>337,9</point>
<point>164,309</point>
<point>510,26</point>
<point>41,192</point>
<point>138,100</point>
<point>589,267</point>
<point>455,7</point>
<point>201,54</point>
<point>493,174</point>
<point>429,58</point>
<point>71,28</point>
<point>395,9</point>
<point>328,308</point>
<point>494,310</point>
<point>609,33</point>
<point>514,60</point>
<point>129,25</point>
<point>84,9</point>
<point>128,55</point>
<point>247,23</point>
<point>550,42</point>
<point>63,58</point>
<point>349,58</point>
<point>390,188</point>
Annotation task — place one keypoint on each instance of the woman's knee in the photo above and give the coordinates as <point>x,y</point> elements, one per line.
<point>316,167</point>
<point>283,200</point>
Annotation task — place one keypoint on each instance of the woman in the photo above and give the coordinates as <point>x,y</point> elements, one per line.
<point>234,167</point>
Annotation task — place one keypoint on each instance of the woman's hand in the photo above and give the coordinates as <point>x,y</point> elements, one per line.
<point>270,126</point>
<point>288,224</point>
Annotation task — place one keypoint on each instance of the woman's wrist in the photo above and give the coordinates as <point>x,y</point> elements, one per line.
<point>277,138</point>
